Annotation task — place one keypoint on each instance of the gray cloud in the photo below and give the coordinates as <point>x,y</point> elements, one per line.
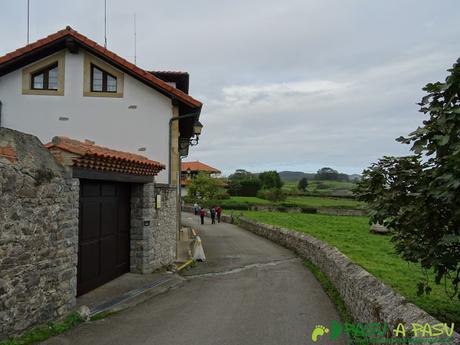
<point>287,85</point>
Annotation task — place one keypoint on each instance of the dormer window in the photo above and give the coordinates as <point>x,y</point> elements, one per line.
<point>45,79</point>
<point>102,81</point>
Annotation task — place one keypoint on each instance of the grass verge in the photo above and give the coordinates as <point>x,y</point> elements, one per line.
<point>331,291</point>
<point>42,333</point>
<point>375,253</point>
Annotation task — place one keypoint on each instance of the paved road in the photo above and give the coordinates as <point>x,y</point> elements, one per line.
<point>250,291</point>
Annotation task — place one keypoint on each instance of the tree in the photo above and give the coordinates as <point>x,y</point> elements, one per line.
<point>243,183</point>
<point>343,177</point>
<point>204,188</point>
<point>303,184</point>
<point>240,174</point>
<point>272,194</point>
<point>327,174</point>
<point>418,196</point>
<point>270,179</point>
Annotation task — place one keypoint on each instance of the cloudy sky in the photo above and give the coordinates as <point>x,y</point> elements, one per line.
<point>286,85</point>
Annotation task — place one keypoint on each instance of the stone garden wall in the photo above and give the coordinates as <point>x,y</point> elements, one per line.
<point>367,298</point>
<point>313,210</point>
<point>38,235</point>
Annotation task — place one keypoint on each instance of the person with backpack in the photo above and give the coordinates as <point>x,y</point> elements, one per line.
<point>213,215</point>
<point>202,214</point>
<point>218,213</point>
<point>196,208</point>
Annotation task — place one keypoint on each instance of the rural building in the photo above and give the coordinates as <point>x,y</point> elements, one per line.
<point>189,170</point>
<point>102,198</point>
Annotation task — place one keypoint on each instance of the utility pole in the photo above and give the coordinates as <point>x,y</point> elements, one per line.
<point>135,40</point>
<point>105,24</point>
<point>28,21</point>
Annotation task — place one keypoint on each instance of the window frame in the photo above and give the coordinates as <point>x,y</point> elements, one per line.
<point>105,76</point>
<point>89,60</point>
<point>34,69</point>
<point>45,71</point>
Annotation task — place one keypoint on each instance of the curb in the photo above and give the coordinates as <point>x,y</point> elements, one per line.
<point>184,265</point>
<point>138,295</point>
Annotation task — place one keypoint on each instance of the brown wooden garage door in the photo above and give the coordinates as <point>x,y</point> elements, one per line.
<point>103,251</point>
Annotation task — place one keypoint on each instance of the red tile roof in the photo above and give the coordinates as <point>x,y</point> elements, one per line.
<point>198,166</point>
<point>91,156</point>
<point>114,58</point>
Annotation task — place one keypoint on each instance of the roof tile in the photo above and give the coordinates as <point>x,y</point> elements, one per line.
<point>91,156</point>
<point>68,31</point>
<point>198,166</point>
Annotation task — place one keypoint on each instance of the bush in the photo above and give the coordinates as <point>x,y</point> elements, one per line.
<point>310,210</point>
<point>204,188</point>
<point>303,184</point>
<point>244,186</point>
<point>228,204</point>
<point>321,185</point>
<point>272,194</point>
<point>270,179</point>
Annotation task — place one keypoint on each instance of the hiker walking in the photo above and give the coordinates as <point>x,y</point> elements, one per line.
<point>202,214</point>
<point>196,208</point>
<point>218,213</point>
<point>213,215</point>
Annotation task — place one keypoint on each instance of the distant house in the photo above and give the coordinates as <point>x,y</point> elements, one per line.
<point>189,170</point>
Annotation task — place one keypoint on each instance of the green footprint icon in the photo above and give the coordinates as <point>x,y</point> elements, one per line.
<point>318,331</point>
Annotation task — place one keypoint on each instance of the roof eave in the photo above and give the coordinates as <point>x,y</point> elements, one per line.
<point>67,38</point>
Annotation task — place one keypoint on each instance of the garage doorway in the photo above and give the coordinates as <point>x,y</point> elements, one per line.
<point>104,233</point>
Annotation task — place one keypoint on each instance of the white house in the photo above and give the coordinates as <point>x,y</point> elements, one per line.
<point>68,85</point>
<point>121,131</point>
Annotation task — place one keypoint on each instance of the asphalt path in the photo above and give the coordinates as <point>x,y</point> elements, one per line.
<point>249,291</point>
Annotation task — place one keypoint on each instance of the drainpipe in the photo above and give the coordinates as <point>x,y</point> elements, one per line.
<point>1,113</point>
<point>194,114</point>
<point>178,186</point>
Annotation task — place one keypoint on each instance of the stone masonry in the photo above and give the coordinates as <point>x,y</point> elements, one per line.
<point>38,235</point>
<point>153,231</point>
<point>366,297</point>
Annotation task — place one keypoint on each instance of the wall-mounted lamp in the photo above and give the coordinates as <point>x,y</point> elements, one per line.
<point>197,127</point>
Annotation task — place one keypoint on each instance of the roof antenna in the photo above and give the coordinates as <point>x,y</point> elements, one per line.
<point>28,20</point>
<point>105,24</point>
<point>135,40</point>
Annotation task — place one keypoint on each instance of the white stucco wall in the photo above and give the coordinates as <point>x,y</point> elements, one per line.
<point>107,121</point>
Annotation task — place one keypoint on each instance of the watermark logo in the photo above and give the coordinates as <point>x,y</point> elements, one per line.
<point>373,333</point>
<point>318,331</point>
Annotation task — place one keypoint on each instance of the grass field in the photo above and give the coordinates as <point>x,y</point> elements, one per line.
<point>250,200</point>
<point>303,201</point>
<point>323,187</point>
<point>374,253</point>
<point>313,201</point>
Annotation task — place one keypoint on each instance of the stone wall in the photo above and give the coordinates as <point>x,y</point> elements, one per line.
<point>166,223</point>
<point>38,235</point>
<point>321,210</point>
<point>367,299</point>
<point>341,211</point>
<point>153,231</point>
